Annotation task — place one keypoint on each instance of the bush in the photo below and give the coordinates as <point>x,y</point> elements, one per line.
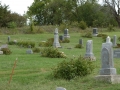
<point>11,25</point>
<point>26,44</point>
<point>52,53</point>
<point>66,40</point>
<point>37,50</point>
<point>6,51</point>
<point>82,25</point>
<point>110,28</point>
<point>102,35</point>
<point>78,46</point>
<point>71,69</point>
<point>87,35</point>
<point>11,43</point>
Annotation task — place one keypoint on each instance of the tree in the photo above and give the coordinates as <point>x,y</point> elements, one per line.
<point>114,6</point>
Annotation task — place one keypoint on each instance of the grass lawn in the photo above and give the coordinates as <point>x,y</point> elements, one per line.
<point>33,72</point>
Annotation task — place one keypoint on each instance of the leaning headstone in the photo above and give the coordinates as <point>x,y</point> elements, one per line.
<point>107,71</point>
<point>95,31</point>
<point>81,42</point>
<point>89,50</point>
<point>56,39</point>
<point>66,33</point>
<point>114,41</point>
<point>8,38</point>
<point>60,88</point>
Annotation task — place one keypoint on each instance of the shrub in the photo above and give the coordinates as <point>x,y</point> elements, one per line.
<point>101,35</point>
<point>11,25</point>
<point>82,25</point>
<point>118,38</point>
<point>110,28</point>
<point>52,53</point>
<point>78,46</point>
<point>71,69</point>
<point>6,51</point>
<point>66,40</point>
<point>87,35</point>
<point>26,44</point>
<point>37,50</point>
<point>11,43</point>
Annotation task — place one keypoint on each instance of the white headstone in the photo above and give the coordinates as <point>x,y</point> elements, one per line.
<point>56,39</point>
<point>60,88</point>
<point>1,52</point>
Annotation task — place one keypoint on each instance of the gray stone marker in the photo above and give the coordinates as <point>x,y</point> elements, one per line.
<point>56,39</point>
<point>116,53</point>
<point>29,51</point>
<point>4,46</point>
<point>81,42</point>
<point>89,50</point>
<point>61,37</point>
<point>8,38</point>
<point>66,33</point>
<point>107,71</point>
<point>60,88</point>
<point>114,41</point>
<point>95,31</point>
<point>1,52</point>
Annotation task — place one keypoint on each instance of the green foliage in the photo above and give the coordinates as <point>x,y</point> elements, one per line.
<point>37,50</point>
<point>82,25</point>
<point>66,40</point>
<point>26,44</point>
<point>118,38</point>
<point>78,46</point>
<point>52,53</point>
<point>110,28</point>
<point>6,51</point>
<point>102,35</point>
<point>87,35</point>
<point>73,68</point>
<point>11,25</point>
<point>11,42</point>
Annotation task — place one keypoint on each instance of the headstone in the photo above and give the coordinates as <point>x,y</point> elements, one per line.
<point>1,52</point>
<point>89,50</point>
<point>61,37</point>
<point>15,41</point>
<point>66,33</point>
<point>4,46</point>
<point>95,31</point>
<point>116,53</point>
<point>81,42</point>
<point>114,41</point>
<point>107,71</point>
<point>8,38</point>
<point>29,51</point>
<point>60,88</point>
<point>56,39</point>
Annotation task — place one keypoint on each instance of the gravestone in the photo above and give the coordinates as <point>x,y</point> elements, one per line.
<point>56,39</point>
<point>29,51</point>
<point>95,31</point>
<point>89,50</point>
<point>81,42</point>
<point>114,41</point>
<point>66,33</point>
<point>107,71</point>
<point>8,38</point>
<point>1,52</point>
<point>61,37</point>
<point>4,46</point>
<point>116,53</point>
<point>60,88</point>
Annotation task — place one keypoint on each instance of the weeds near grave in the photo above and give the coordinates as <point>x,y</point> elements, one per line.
<point>6,51</point>
<point>78,46</point>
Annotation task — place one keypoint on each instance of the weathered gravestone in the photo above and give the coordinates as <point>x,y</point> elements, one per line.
<point>66,33</point>
<point>4,46</point>
<point>61,37</point>
<point>1,52</point>
<point>81,42</point>
<point>8,38</point>
<point>60,88</point>
<point>89,50</point>
<point>95,31</point>
<point>29,51</point>
<point>56,39</point>
<point>114,41</point>
<point>107,71</point>
<point>116,53</point>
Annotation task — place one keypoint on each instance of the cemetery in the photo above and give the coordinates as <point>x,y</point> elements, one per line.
<point>35,71</point>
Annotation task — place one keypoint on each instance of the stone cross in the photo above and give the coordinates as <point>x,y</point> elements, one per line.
<point>66,34</point>
<point>89,50</point>
<point>56,39</point>
<point>95,31</point>
<point>114,41</point>
<point>107,67</point>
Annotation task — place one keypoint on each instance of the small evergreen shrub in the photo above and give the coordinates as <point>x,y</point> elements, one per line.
<point>66,40</point>
<point>110,28</point>
<point>82,25</point>
<point>11,43</point>
<point>87,35</point>
<point>42,44</point>
<point>73,68</point>
<point>12,25</point>
<point>6,51</point>
<point>101,35</point>
<point>26,44</point>
<point>36,50</point>
<point>52,53</point>
<point>78,46</point>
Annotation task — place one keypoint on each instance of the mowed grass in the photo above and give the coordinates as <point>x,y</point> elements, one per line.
<point>34,72</point>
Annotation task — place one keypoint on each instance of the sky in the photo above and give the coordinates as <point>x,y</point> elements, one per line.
<point>18,6</point>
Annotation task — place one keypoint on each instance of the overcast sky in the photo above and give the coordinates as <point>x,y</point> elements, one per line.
<point>18,6</point>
